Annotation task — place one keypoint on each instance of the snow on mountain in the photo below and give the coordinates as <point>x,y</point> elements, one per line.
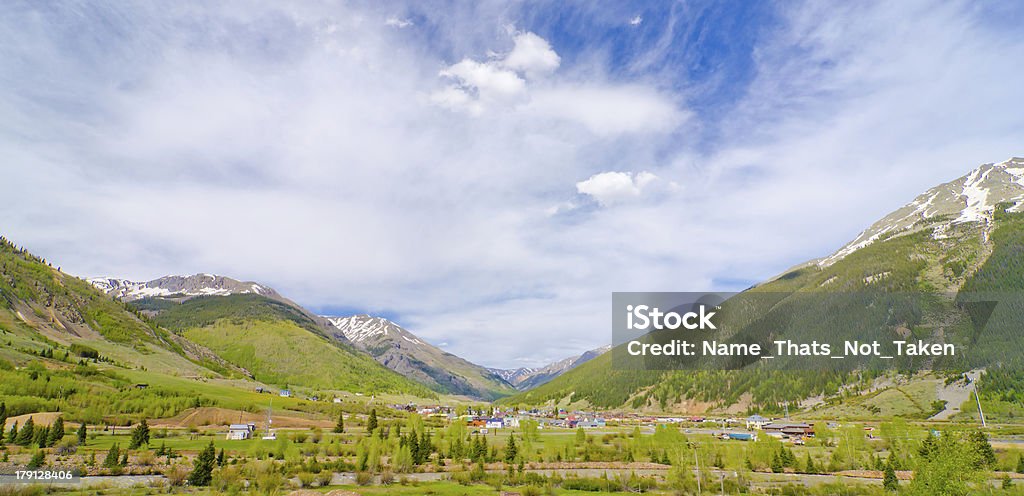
<point>179,286</point>
<point>971,198</point>
<point>405,353</point>
<point>362,328</point>
<point>526,378</point>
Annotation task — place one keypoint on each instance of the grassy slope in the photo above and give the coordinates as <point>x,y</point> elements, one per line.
<point>912,262</point>
<point>280,345</point>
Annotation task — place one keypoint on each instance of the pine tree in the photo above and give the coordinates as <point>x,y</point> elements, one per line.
<point>510,449</point>
<point>41,436</point>
<point>220,458</point>
<point>38,459</point>
<point>371,423</point>
<point>776,463</point>
<point>3,421</point>
<point>889,481</point>
<point>414,447</point>
<point>113,457</point>
<point>56,431</point>
<point>124,459</point>
<point>26,434</point>
<point>82,434</point>
<point>809,465</point>
<point>987,457</point>
<point>140,435</point>
<point>202,468</point>
<point>340,426</point>
<point>1020,464</point>
<point>12,436</point>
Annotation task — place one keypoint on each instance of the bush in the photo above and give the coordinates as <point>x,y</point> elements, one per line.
<point>323,479</point>
<point>176,474</point>
<point>306,479</point>
<point>364,478</point>
<point>387,478</point>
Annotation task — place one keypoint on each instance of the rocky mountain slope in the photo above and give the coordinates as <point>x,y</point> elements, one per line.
<point>403,352</point>
<point>527,378</point>
<point>179,287</point>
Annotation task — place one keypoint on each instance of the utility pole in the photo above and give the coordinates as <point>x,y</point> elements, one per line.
<point>977,397</point>
<point>696,462</point>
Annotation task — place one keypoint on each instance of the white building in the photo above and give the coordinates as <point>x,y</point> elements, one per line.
<point>239,432</point>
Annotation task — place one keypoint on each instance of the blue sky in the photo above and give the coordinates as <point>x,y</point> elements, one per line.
<point>487,173</point>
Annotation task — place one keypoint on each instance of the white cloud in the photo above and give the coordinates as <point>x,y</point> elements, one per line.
<point>636,20</point>
<point>532,55</point>
<point>488,80</point>
<point>398,23</point>
<point>314,150</point>
<point>610,188</point>
<point>609,110</point>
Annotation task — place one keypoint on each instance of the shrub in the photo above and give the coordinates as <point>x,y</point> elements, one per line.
<point>364,478</point>
<point>176,474</point>
<point>306,479</point>
<point>323,479</point>
<point>387,478</point>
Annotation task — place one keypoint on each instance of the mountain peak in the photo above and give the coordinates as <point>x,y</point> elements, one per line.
<point>971,198</point>
<point>201,284</point>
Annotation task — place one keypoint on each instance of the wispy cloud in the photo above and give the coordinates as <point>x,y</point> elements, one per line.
<point>350,163</point>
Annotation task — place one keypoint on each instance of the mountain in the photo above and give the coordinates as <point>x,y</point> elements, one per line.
<point>179,287</point>
<point>410,356</point>
<point>956,240</point>
<point>525,378</point>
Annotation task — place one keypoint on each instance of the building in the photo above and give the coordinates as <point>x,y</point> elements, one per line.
<point>494,423</point>
<point>757,422</point>
<point>239,432</point>
<point>285,393</point>
<point>510,422</point>
<point>789,428</point>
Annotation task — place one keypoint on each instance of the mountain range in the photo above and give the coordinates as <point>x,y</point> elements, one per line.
<point>525,378</point>
<point>169,299</point>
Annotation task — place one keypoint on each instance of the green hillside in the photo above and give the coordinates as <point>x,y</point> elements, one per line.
<point>944,271</point>
<point>279,345</point>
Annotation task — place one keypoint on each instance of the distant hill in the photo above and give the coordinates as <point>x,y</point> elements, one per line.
<point>527,378</point>
<point>407,354</point>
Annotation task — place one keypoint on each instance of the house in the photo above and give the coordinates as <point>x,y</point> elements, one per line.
<point>594,423</point>
<point>757,422</point>
<point>285,393</point>
<point>337,400</point>
<point>510,422</point>
<point>740,436</point>
<point>238,432</point>
<point>789,429</point>
<point>494,423</point>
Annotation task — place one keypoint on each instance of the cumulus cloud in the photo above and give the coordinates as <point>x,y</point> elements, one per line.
<point>610,188</point>
<point>532,55</point>
<point>636,20</point>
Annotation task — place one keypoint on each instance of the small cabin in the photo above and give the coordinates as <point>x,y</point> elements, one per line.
<point>240,432</point>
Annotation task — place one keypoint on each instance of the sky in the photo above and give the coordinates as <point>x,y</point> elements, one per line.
<point>487,173</point>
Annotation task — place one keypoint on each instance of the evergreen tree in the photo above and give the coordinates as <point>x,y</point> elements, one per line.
<point>12,436</point>
<point>986,456</point>
<point>425,447</point>
<point>889,481</point>
<point>340,426</point>
<point>414,447</point>
<point>82,434</point>
<point>371,423</point>
<point>1020,464</point>
<point>202,468</point>
<point>809,465</point>
<point>113,457</point>
<point>140,435</point>
<point>38,459</point>
<point>510,449</point>
<point>776,462</point>
<point>41,436</point>
<point>124,458</point>
<point>3,421</point>
<point>56,431</point>
<point>220,458</point>
<point>26,434</point>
